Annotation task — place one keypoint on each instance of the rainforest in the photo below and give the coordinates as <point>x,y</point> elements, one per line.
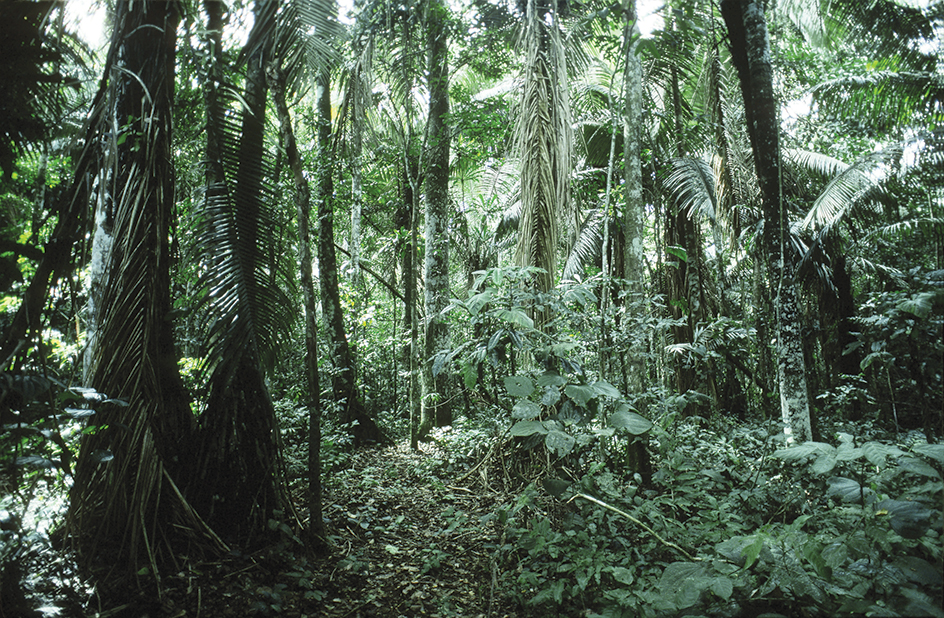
<point>471,308</point>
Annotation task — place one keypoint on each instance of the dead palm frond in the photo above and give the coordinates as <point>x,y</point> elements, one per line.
<point>545,145</point>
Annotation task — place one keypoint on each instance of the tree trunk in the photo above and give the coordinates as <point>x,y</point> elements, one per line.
<point>238,484</point>
<point>316,530</point>
<point>436,408</point>
<point>344,386</point>
<point>750,51</point>
<point>124,502</point>
<point>634,227</point>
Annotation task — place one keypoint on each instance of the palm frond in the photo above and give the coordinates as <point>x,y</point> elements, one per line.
<point>886,29</point>
<point>247,291</point>
<point>305,37</point>
<point>816,162</point>
<point>884,99</point>
<point>691,183</point>
<point>898,229</point>
<point>851,187</point>
<point>587,248</point>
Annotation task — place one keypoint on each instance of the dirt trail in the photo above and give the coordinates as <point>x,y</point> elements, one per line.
<point>404,543</point>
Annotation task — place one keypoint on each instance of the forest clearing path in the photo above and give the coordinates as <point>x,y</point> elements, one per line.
<point>407,543</point>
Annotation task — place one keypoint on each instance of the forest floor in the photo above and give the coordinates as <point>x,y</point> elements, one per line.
<point>403,542</point>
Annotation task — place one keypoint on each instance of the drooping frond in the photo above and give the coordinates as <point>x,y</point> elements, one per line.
<point>849,188</point>
<point>691,184</point>
<point>247,281</point>
<point>545,145</point>
<point>305,36</point>
<point>586,249</point>
<point>885,98</point>
<point>816,162</point>
<point>886,29</point>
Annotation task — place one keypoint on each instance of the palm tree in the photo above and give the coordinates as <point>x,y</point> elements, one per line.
<point>126,502</point>
<point>545,144</point>
<point>238,485</point>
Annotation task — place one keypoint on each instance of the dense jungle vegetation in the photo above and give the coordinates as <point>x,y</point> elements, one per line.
<point>609,308</point>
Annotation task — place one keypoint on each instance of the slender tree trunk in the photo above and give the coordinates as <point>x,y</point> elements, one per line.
<point>436,408</point>
<point>344,385</point>
<point>750,51</point>
<point>316,530</point>
<point>634,222</point>
<point>685,281</point>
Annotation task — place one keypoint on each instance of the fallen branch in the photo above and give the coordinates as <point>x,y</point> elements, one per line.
<point>637,522</point>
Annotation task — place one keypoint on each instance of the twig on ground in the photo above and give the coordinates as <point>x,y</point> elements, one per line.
<point>635,521</point>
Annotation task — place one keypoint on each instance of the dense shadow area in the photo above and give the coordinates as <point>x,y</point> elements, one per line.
<point>402,543</point>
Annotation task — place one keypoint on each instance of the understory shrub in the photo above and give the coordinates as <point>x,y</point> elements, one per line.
<point>737,525</point>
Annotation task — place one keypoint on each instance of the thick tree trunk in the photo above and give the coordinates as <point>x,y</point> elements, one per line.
<point>436,408</point>
<point>124,502</point>
<point>750,51</point>
<point>238,484</point>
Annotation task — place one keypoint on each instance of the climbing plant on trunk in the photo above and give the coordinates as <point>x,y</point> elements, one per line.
<point>750,52</point>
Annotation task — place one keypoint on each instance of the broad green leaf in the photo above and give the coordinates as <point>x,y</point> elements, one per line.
<point>846,490</point>
<point>601,387</point>
<point>919,305</point>
<point>824,463</point>
<point>559,442</point>
<point>551,378</point>
<point>525,409</point>
<point>550,396</point>
<point>519,386</point>
<point>847,452</point>
<point>919,571</point>
<point>835,554</point>
<point>917,466</point>
<point>722,586</point>
<point>475,303</point>
<point>629,421</point>
<point>909,519</point>
<point>555,487</point>
<point>799,451</point>
<point>622,575</point>
<point>34,461</point>
<point>876,452</point>
<point>516,317</point>
<point>684,582</point>
<point>752,551</point>
<point>933,451</point>
<point>528,428</point>
<point>580,394</point>
<point>678,252</point>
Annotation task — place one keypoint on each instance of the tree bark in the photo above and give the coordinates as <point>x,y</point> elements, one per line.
<point>316,530</point>
<point>436,408</point>
<point>124,503</point>
<point>750,51</point>
<point>344,386</point>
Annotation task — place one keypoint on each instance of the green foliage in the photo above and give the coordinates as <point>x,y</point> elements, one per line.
<point>751,530</point>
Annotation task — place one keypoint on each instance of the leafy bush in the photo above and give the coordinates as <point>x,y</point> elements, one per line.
<point>736,526</point>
